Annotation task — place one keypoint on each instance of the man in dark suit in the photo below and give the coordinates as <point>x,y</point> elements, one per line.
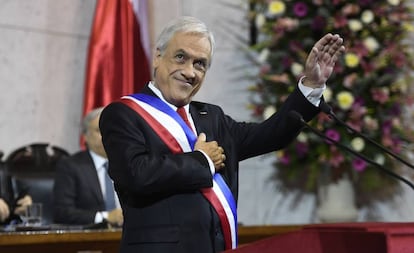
<point>10,208</point>
<point>177,176</point>
<point>79,189</point>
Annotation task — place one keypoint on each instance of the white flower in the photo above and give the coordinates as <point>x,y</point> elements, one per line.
<point>400,86</point>
<point>367,16</point>
<point>371,44</point>
<point>264,54</point>
<point>355,25</point>
<point>302,137</point>
<point>396,122</point>
<point>269,111</point>
<point>394,2</point>
<point>260,20</point>
<point>296,69</point>
<point>358,144</point>
<point>380,159</point>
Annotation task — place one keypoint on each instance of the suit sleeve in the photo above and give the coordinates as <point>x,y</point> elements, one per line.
<point>274,133</point>
<point>65,196</point>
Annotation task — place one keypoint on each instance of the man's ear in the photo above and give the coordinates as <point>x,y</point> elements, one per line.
<point>156,59</point>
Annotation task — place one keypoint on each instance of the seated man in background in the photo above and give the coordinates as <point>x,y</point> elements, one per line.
<point>82,182</point>
<point>10,210</point>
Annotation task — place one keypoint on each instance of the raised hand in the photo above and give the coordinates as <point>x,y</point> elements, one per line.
<point>212,149</point>
<point>321,60</point>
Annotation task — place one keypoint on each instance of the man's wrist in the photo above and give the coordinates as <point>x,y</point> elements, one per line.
<point>306,82</point>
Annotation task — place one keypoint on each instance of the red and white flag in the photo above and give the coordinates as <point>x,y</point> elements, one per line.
<point>117,62</point>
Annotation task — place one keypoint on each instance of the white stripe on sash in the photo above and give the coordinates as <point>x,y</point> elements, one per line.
<point>167,121</point>
<point>229,213</point>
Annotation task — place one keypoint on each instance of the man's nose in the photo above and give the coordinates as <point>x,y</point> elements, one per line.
<point>188,70</point>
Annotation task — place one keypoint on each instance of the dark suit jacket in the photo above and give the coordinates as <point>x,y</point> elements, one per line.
<point>77,192</point>
<point>6,193</point>
<point>159,191</point>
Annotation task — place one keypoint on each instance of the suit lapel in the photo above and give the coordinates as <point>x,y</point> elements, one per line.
<point>201,118</point>
<point>91,178</point>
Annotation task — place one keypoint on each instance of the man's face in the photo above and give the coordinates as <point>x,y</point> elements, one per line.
<point>93,137</point>
<point>180,71</point>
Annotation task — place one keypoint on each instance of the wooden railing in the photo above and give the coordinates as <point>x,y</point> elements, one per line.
<point>102,241</point>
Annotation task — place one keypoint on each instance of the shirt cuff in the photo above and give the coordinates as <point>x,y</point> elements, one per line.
<point>210,163</point>
<point>101,216</point>
<point>313,95</point>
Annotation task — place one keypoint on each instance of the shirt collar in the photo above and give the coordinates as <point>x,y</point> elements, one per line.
<point>98,160</point>
<point>159,94</point>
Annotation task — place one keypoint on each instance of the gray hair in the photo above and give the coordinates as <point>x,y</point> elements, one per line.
<point>89,117</point>
<point>184,24</point>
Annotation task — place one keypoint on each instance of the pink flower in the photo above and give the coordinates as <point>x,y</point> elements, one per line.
<point>365,2</point>
<point>350,9</point>
<point>340,21</point>
<point>295,46</point>
<point>360,49</point>
<point>287,24</point>
<point>368,67</point>
<point>399,59</point>
<point>264,69</point>
<point>336,157</point>
<point>381,95</point>
<point>285,159</point>
<point>359,164</point>
<point>332,134</point>
<point>350,79</point>
<point>301,149</point>
<point>358,110</point>
<point>318,23</point>
<point>355,124</point>
<point>396,147</point>
<point>300,9</point>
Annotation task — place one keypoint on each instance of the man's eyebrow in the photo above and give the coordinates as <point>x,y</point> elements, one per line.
<point>182,51</point>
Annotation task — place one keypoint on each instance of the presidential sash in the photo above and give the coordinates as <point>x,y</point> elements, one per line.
<point>175,133</point>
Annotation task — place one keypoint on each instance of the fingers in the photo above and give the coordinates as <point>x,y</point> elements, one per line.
<point>322,59</point>
<point>219,159</point>
<point>22,205</point>
<point>202,137</point>
<point>25,201</point>
<point>4,210</point>
<point>115,217</point>
<point>212,150</point>
<point>329,45</point>
<point>20,210</point>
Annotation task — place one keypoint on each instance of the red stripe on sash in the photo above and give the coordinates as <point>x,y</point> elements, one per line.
<point>161,131</point>
<point>225,226</point>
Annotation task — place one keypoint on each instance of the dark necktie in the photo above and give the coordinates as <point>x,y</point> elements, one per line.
<point>181,111</point>
<point>109,191</point>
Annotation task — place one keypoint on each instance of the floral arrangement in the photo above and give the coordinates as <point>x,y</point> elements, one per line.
<point>368,89</point>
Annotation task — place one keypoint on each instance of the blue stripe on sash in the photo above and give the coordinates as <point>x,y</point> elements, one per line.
<point>162,106</point>
<point>228,195</point>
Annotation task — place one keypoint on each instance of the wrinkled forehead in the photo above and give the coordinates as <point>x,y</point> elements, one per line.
<point>195,44</point>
